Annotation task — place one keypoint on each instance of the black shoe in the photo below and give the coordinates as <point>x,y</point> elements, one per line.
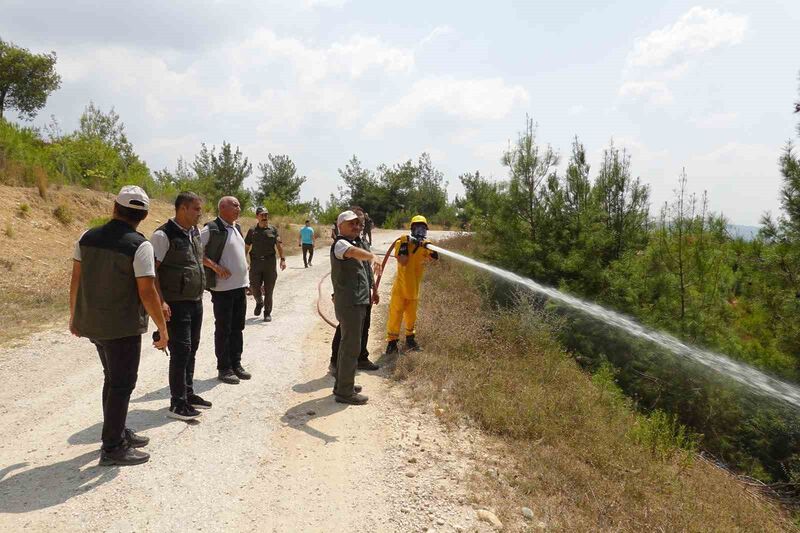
<point>309,264</point>
<point>181,410</point>
<point>227,376</point>
<point>355,399</point>
<point>257,310</point>
<point>241,373</point>
<point>123,455</point>
<point>134,440</point>
<point>391,348</point>
<point>197,402</point>
<point>411,344</point>
<point>306,266</point>
<point>366,364</point>
<point>267,318</point>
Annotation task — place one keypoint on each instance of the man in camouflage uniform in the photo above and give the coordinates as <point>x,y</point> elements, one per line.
<point>262,241</point>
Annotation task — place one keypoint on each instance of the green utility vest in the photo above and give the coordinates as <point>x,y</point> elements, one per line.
<point>350,281</point>
<point>180,274</point>
<point>361,243</point>
<point>217,237</point>
<point>108,304</point>
<point>263,241</point>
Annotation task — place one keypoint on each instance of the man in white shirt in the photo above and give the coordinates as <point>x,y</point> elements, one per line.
<point>226,277</point>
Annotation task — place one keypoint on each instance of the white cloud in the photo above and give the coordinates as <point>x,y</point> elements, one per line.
<point>739,176</point>
<point>576,109</point>
<point>715,120</point>
<point>491,152</point>
<point>438,31</point>
<point>656,92</point>
<point>325,3</point>
<point>697,31</point>
<point>282,82</point>
<point>478,99</point>
<point>666,55</point>
<point>354,57</point>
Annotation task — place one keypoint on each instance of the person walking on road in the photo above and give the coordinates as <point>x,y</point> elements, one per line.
<point>363,358</point>
<point>181,280</point>
<point>368,224</point>
<point>412,257</point>
<point>112,291</point>
<point>262,241</point>
<point>226,278</point>
<point>307,240</point>
<point>351,298</point>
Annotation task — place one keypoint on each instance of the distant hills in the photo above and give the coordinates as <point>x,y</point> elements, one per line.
<point>747,233</point>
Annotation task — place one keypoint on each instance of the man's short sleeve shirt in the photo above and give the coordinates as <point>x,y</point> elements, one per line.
<point>341,246</point>
<point>144,265</point>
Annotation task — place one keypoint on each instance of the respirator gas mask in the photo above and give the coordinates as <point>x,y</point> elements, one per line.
<point>419,232</point>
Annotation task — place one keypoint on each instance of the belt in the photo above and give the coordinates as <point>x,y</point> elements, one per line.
<point>260,257</point>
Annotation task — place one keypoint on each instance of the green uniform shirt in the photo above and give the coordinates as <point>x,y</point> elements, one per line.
<point>263,242</point>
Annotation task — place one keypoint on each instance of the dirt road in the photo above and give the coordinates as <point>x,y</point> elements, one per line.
<point>275,453</point>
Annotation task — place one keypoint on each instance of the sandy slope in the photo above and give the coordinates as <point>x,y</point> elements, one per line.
<point>274,454</point>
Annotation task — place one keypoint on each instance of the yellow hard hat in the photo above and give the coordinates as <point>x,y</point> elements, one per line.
<point>419,219</point>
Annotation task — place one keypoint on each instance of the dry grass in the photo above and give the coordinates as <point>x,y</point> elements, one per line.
<point>36,250</point>
<point>570,445</point>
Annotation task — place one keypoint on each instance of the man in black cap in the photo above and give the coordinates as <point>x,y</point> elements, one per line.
<point>262,241</point>
<point>111,294</point>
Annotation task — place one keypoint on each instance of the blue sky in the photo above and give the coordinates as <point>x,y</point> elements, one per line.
<point>706,86</point>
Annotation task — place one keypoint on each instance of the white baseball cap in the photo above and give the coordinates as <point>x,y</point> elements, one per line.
<point>134,197</point>
<point>345,216</point>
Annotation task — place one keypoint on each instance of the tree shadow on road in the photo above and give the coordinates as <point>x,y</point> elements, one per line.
<point>138,420</point>
<point>300,415</point>
<point>324,382</point>
<point>200,386</point>
<point>49,485</point>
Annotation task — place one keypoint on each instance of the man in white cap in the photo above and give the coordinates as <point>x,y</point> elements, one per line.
<point>112,292</point>
<point>351,298</point>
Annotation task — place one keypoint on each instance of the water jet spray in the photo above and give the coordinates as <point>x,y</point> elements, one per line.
<point>754,379</point>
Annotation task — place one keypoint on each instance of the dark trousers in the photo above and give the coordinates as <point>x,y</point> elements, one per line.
<point>308,249</point>
<point>184,337</point>
<point>337,339</point>
<point>351,320</point>
<point>230,308</point>
<point>120,360</point>
<point>263,273</point>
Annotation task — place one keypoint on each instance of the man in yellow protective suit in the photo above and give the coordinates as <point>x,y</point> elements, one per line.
<point>412,257</point>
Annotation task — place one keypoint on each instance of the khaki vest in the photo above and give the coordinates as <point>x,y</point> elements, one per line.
<point>217,237</point>
<point>350,280</point>
<point>180,273</point>
<point>108,305</point>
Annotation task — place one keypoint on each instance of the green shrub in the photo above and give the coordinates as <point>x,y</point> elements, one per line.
<point>9,231</point>
<point>398,220</point>
<point>63,214</point>
<point>24,210</point>
<point>99,221</point>
<point>664,436</point>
